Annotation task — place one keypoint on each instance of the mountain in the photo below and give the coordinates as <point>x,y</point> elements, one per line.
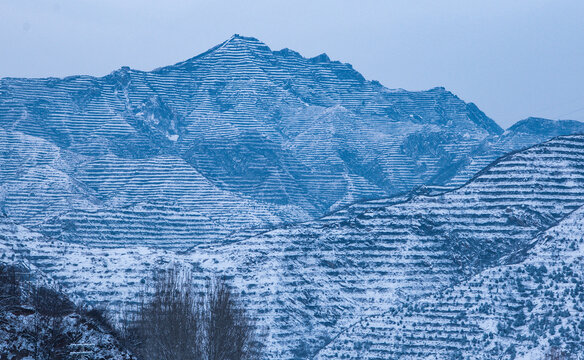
<point>306,284</point>
<point>537,126</point>
<point>522,134</point>
<point>235,139</point>
<point>330,202</point>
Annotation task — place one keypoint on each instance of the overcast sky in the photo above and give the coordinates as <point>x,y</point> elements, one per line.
<point>513,58</point>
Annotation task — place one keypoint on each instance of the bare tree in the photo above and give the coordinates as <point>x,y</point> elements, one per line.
<point>228,330</point>
<point>9,287</point>
<point>166,327</point>
<point>179,323</point>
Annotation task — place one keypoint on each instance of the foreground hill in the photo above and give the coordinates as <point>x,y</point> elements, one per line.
<point>37,321</point>
<point>309,282</point>
<point>238,137</point>
<point>528,307</point>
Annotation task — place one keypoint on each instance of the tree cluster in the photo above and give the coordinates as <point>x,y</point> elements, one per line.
<point>180,322</point>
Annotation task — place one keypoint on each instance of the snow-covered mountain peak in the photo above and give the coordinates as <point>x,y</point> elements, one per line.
<point>238,126</point>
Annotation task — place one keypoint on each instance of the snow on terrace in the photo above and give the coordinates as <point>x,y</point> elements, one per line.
<point>313,280</point>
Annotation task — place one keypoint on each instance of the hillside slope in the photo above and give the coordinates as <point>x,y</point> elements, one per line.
<point>522,134</point>
<point>308,282</point>
<point>38,321</point>
<point>528,307</point>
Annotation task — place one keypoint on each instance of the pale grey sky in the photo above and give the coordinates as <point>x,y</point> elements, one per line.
<point>513,58</point>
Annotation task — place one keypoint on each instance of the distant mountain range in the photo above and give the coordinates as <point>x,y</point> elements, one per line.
<point>355,221</point>
<point>238,137</point>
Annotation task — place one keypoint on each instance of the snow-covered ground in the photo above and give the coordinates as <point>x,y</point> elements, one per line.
<point>308,283</point>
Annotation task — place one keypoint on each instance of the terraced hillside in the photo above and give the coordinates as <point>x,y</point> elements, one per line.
<point>161,199</point>
<point>528,307</point>
<point>238,137</point>
<point>309,282</point>
<point>522,134</point>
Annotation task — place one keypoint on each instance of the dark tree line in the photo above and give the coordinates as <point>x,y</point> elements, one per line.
<point>9,288</point>
<point>180,322</point>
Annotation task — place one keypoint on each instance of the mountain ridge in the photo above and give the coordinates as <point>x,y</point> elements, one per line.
<point>324,197</point>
